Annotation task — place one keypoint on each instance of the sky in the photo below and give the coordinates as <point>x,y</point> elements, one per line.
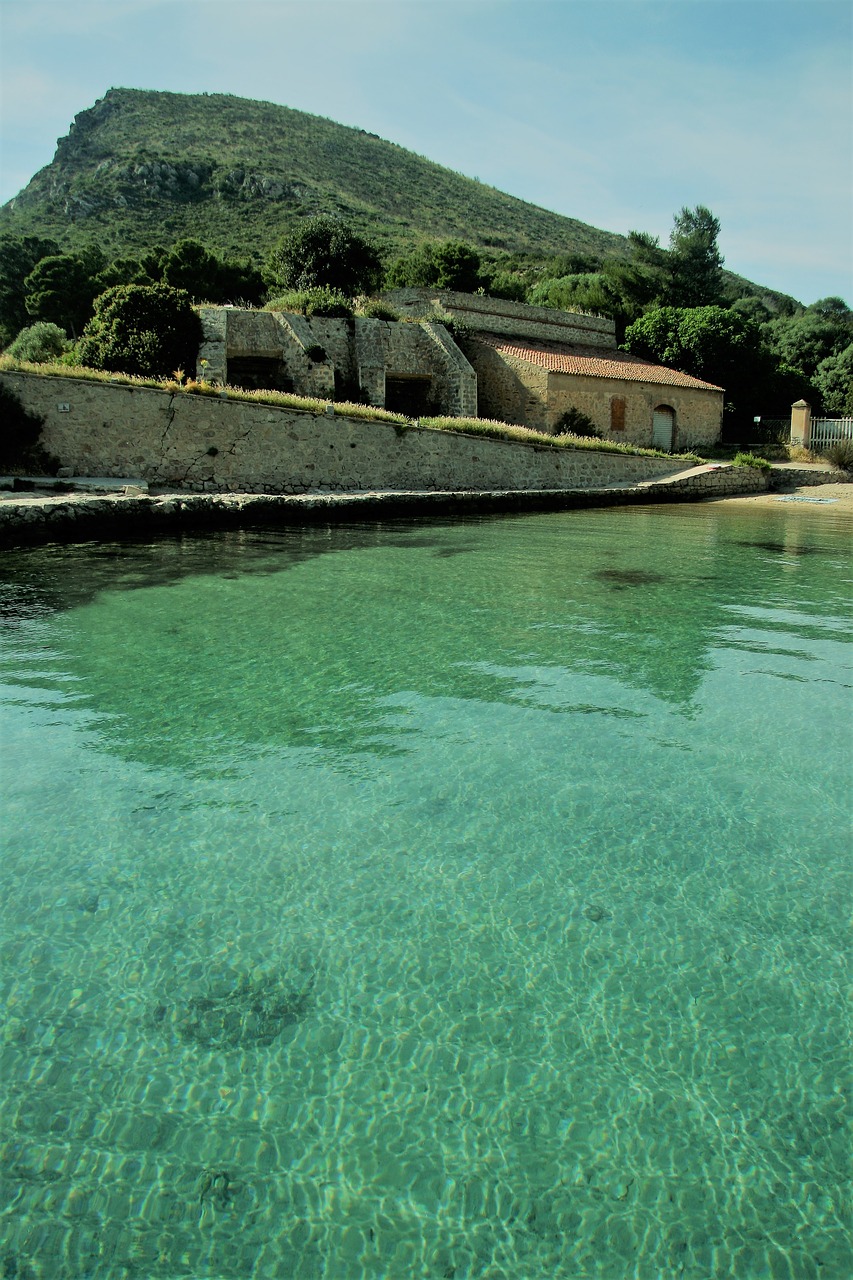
<point>615,112</point>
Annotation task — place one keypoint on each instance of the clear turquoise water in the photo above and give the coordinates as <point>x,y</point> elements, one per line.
<point>436,900</point>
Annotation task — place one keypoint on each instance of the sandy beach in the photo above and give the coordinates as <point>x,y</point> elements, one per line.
<point>829,497</point>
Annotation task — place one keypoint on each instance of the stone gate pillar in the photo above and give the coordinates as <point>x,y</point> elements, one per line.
<point>801,424</point>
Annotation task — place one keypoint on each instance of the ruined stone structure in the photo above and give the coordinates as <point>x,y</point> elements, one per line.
<point>511,362</point>
<point>413,368</point>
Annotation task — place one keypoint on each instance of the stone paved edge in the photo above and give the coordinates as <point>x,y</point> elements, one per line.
<point>78,516</point>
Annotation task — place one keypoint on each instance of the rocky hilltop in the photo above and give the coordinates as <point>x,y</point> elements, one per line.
<point>141,168</point>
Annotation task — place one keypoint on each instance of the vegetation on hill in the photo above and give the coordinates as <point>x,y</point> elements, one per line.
<point>142,167</point>
<point>141,170</point>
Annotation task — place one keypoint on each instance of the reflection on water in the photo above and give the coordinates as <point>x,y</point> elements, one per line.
<point>437,900</point>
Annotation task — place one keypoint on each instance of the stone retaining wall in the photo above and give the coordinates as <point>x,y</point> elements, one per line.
<point>208,444</point>
<point>792,478</point>
<point>57,517</point>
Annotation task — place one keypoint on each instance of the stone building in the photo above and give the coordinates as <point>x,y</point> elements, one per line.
<point>533,364</point>
<point>509,361</point>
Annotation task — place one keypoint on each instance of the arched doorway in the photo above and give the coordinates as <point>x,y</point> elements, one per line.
<point>663,428</point>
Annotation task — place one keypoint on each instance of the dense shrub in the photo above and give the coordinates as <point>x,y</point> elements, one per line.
<point>39,343</point>
<point>313,302</point>
<point>840,454</point>
<point>449,264</point>
<point>20,432</point>
<point>375,309</point>
<point>574,422</point>
<point>326,252</point>
<point>504,284</point>
<point>148,330</point>
<point>750,460</point>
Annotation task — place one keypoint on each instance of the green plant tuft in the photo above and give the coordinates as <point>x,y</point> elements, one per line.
<point>751,460</point>
<point>574,422</point>
<point>376,309</point>
<point>840,454</point>
<point>313,302</point>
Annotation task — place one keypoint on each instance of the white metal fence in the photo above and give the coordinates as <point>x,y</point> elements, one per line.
<point>827,431</point>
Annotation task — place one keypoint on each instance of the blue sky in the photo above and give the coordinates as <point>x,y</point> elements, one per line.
<point>617,112</point>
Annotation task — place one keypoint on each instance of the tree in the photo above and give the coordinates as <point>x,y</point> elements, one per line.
<point>753,307</point>
<point>150,330</point>
<point>718,346</point>
<point>806,339</point>
<point>62,288</point>
<point>39,343</point>
<point>695,262</point>
<point>324,251</point>
<point>125,271</point>
<point>447,264</point>
<point>834,380</point>
<point>833,309</point>
<point>18,257</point>
<point>207,278</point>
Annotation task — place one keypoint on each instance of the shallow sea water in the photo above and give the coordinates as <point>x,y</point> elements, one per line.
<point>429,900</point>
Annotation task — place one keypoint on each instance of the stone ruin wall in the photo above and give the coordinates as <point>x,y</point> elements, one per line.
<point>360,355</point>
<point>482,314</point>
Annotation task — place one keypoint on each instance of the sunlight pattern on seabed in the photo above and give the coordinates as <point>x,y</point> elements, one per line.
<point>430,900</point>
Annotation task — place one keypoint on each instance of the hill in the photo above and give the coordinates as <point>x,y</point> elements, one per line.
<point>143,168</point>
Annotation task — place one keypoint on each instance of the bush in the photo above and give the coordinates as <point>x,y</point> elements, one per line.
<point>450,264</point>
<point>313,302</point>
<point>750,460</point>
<point>39,343</point>
<point>840,454</point>
<point>459,330</point>
<point>375,309</point>
<point>324,252</point>
<point>503,284</point>
<point>147,330</point>
<point>574,422</point>
<point>20,432</point>
<point>315,352</point>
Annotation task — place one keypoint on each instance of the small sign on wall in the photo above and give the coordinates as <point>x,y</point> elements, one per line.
<point>64,407</point>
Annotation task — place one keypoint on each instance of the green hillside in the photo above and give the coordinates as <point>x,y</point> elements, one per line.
<point>142,168</point>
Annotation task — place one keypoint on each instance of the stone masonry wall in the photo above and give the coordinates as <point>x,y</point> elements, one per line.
<point>205,443</point>
<point>509,390</point>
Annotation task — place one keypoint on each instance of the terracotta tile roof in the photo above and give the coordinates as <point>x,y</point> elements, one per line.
<point>594,362</point>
